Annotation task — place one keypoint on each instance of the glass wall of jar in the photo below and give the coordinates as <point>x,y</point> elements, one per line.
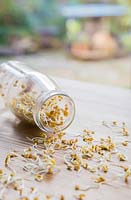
<point>35,98</point>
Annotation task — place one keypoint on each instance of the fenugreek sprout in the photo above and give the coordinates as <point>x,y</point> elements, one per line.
<point>98,156</point>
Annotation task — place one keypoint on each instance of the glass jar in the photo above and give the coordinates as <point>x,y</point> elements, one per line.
<point>35,98</point>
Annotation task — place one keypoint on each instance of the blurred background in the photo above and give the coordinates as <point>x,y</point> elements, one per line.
<point>86,40</point>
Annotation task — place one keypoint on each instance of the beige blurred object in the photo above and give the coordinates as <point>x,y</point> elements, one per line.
<point>85,54</point>
<point>101,45</point>
<point>103,41</point>
<point>25,45</point>
<point>79,46</point>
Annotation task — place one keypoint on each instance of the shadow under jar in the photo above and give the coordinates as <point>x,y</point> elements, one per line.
<point>35,98</point>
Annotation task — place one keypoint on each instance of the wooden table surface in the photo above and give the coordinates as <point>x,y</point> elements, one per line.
<point>94,103</point>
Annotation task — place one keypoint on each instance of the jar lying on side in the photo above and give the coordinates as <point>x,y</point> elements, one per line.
<point>35,98</point>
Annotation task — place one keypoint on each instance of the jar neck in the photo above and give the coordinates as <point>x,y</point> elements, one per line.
<point>43,99</point>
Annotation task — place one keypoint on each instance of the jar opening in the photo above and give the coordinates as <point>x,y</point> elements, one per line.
<point>56,112</point>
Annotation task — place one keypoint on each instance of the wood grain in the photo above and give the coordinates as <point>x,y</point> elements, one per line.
<point>94,103</point>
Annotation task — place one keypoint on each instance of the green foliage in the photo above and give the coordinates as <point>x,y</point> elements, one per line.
<point>13,21</point>
<point>45,13</point>
<point>126,20</point>
<point>24,17</point>
<point>73,28</point>
<point>126,40</point>
<point>11,14</point>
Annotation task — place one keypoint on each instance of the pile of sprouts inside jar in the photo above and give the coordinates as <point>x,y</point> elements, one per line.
<point>51,114</point>
<point>22,107</point>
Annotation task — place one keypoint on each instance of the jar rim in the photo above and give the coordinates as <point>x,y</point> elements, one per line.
<point>43,99</point>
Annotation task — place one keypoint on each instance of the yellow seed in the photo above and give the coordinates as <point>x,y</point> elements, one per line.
<point>36,198</point>
<point>105,168</point>
<point>32,189</point>
<point>39,177</point>
<point>8,157</point>
<point>100,179</point>
<point>15,83</point>
<point>48,197</point>
<point>92,132</point>
<point>125,132</point>
<point>127,174</point>
<point>121,157</point>
<point>125,143</point>
<point>85,165</point>
<point>114,123</point>
<point>22,86</point>
<point>92,170</point>
<point>69,167</point>
<point>62,197</point>
<point>77,187</point>
<point>50,171</point>
<point>81,196</point>
<point>1,171</point>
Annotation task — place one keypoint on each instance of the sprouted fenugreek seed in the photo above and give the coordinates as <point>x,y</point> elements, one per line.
<point>97,157</point>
